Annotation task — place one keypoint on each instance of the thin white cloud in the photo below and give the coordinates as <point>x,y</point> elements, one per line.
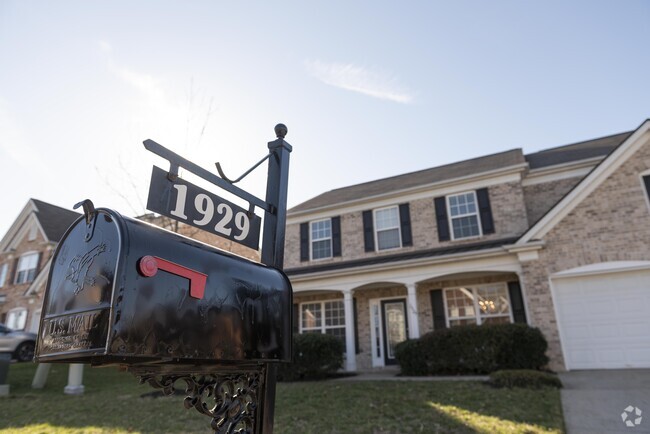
<point>374,83</point>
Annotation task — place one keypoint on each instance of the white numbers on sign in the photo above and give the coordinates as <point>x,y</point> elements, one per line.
<point>179,211</point>
<point>205,207</point>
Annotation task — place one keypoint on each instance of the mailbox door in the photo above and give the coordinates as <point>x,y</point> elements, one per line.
<point>77,305</point>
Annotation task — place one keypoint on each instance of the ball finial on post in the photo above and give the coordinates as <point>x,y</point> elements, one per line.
<point>281,131</point>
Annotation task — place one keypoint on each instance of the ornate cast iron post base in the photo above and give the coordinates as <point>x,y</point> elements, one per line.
<point>231,397</point>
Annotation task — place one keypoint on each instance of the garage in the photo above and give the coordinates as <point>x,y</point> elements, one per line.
<point>603,314</point>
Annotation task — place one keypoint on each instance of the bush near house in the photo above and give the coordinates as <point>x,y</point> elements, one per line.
<point>315,356</point>
<point>526,378</point>
<point>473,350</point>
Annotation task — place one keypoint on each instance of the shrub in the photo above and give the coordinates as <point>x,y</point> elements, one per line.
<point>474,350</point>
<point>315,356</point>
<point>525,378</point>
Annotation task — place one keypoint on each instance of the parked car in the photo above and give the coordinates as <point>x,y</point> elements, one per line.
<point>19,343</point>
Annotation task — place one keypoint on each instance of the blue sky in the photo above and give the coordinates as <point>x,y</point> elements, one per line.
<point>367,89</point>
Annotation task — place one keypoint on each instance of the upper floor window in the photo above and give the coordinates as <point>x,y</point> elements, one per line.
<point>26,269</point>
<point>321,239</point>
<point>463,213</point>
<point>3,274</point>
<point>387,228</point>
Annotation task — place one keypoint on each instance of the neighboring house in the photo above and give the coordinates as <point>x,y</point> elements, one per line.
<point>558,239</point>
<point>25,252</point>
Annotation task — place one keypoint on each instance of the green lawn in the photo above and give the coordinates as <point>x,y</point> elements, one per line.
<point>113,404</point>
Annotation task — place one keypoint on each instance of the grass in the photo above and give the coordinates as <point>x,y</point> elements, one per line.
<point>112,403</point>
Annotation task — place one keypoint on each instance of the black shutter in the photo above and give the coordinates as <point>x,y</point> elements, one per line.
<point>304,242</point>
<point>517,302</point>
<point>441,218</point>
<point>296,318</point>
<point>438,310</point>
<point>646,181</point>
<point>368,232</point>
<point>336,236</point>
<point>485,211</point>
<point>405,223</point>
<point>356,326</point>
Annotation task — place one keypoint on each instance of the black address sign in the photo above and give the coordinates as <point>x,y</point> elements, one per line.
<point>195,206</point>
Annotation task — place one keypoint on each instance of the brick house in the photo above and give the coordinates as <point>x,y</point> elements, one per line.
<point>558,239</point>
<point>25,253</point>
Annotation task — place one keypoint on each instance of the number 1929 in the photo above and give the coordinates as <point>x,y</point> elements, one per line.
<point>204,206</point>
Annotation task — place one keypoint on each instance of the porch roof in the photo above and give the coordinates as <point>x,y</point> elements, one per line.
<point>441,251</point>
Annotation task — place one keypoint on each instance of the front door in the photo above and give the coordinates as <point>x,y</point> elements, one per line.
<point>395,328</point>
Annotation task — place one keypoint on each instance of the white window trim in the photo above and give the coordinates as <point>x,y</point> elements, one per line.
<point>646,195</point>
<point>18,270</point>
<point>311,241</point>
<point>478,317</point>
<point>4,270</point>
<point>376,231</point>
<point>15,311</point>
<point>450,218</point>
<point>323,327</point>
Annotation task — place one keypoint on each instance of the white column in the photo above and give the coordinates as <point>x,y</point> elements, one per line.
<point>40,377</point>
<point>75,380</point>
<point>351,354</point>
<point>412,311</point>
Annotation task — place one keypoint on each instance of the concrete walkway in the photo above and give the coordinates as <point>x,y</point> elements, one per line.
<point>594,401</point>
<point>391,374</point>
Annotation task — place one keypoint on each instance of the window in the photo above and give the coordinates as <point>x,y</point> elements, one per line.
<point>464,216</point>
<point>645,179</point>
<point>387,228</point>
<point>487,304</point>
<point>323,317</point>
<point>321,239</point>
<point>3,274</point>
<point>16,318</point>
<point>26,270</point>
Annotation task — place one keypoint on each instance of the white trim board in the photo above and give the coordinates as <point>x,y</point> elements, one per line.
<point>595,178</point>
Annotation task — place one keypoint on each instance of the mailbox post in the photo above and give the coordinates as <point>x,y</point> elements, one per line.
<point>173,310</point>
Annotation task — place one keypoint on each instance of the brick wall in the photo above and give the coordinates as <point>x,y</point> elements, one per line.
<point>15,293</point>
<point>541,197</point>
<point>611,224</point>
<point>508,212</point>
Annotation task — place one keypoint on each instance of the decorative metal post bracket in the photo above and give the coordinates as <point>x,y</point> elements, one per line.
<point>237,398</point>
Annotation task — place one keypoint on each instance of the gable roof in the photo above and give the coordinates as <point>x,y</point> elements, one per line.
<point>599,147</point>
<point>414,179</point>
<point>589,183</point>
<point>53,219</point>
<point>576,151</point>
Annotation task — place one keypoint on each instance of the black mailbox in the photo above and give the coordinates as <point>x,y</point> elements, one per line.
<point>123,291</point>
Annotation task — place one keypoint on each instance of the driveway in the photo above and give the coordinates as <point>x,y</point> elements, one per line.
<point>594,401</point>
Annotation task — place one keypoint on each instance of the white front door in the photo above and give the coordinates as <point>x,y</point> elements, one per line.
<point>388,327</point>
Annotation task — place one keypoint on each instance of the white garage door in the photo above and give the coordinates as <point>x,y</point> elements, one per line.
<point>604,320</point>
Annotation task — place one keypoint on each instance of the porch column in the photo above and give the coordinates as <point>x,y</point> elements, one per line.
<point>412,311</point>
<point>351,354</point>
